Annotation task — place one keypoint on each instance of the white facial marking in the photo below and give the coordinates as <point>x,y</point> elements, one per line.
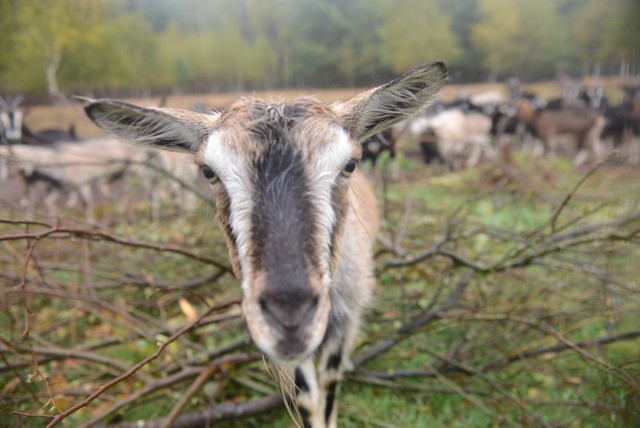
<point>228,164</point>
<point>6,125</point>
<point>15,132</point>
<point>325,169</point>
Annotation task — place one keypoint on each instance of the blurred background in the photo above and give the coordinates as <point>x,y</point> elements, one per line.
<point>127,47</point>
<point>508,261</point>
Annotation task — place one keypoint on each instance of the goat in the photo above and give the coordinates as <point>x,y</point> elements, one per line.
<point>299,220</point>
<point>623,127</point>
<point>488,98</point>
<point>10,120</point>
<point>378,143</point>
<point>582,123</point>
<point>176,171</point>
<point>70,167</point>
<point>47,136</point>
<point>462,138</point>
<point>15,131</point>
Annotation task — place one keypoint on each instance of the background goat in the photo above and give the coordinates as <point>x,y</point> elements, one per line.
<point>461,138</point>
<point>71,168</point>
<point>583,124</point>
<point>299,221</point>
<point>47,136</point>
<point>13,130</point>
<point>378,143</point>
<point>10,120</point>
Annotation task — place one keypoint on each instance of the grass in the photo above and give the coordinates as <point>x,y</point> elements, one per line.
<point>119,302</point>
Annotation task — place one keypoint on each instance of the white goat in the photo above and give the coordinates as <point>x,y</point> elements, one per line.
<point>299,221</point>
<point>71,167</point>
<point>462,138</point>
<point>168,173</point>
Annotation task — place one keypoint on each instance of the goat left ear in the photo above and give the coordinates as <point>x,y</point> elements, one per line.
<point>379,108</point>
<point>161,128</point>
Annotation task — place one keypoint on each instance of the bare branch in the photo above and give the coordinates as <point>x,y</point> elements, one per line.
<point>58,418</point>
<point>57,232</point>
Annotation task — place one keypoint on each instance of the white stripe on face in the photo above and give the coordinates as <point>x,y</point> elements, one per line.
<point>233,172</point>
<point>325,169</point>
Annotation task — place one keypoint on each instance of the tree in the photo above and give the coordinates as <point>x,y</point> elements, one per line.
<point>621,39</point>
<point>122,55</point>
<point>541,39</point>
<point>495,35</point>
<point>50,29</point>
<point>415,31</point>
<point>519,37</point>
<point>585,32</point>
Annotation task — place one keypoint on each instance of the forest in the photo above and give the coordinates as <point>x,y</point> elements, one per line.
<point>142,47</point>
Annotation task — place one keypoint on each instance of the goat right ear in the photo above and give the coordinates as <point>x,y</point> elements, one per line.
<point>379,108</point>
<point>161,128</point>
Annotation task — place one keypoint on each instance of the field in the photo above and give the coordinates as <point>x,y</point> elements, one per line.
<point>507,295</point>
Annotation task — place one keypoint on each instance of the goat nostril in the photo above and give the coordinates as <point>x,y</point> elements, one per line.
<point>288,311</point>
<point>314,303</point>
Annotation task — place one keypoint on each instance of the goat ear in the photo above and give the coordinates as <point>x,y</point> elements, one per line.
<point>161,128</point>
<point>379,108</point>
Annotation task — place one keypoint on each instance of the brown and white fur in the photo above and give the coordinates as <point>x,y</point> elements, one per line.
<point>299,222</point>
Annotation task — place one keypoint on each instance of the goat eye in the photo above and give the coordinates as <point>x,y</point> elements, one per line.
<point>349,168</point>
<point>208,173</point>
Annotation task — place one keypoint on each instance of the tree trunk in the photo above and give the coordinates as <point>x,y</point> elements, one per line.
<point>52,72</point>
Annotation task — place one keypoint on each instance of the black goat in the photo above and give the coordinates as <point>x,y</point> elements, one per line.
<point>47,136</point>
<point>15,131</point>
<point>623,121</point>
<point>378,143</point>
<point>583,123</point>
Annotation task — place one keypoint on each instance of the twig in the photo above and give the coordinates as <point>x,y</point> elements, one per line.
<point>186,396</point>
<point>20,379</point>
<point>499,364</point>
<point>571,194</point>
<point>67,232</point>
<point>73,354</point>
<point>373,380</point>
<point>168,381</point>
<point>214,413</point>
<point>543,326</point>
<point>27,311</point>
<point>130,372</point>
<point>418,322</point>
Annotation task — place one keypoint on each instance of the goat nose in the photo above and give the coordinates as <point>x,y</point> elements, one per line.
<point>289,310</point>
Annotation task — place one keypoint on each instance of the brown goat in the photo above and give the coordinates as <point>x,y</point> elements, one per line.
<point>582,123</point>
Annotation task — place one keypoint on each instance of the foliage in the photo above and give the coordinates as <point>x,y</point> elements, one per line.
<point>430,34</point>
<point>520,37</point>
<point>196,45</point>
<point>45,32</point>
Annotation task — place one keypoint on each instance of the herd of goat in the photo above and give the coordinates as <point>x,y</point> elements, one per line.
<point>582,125</point>
<point>456,134</point>
<point>79,170</point>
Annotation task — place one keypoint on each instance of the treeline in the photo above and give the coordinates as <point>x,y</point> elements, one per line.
<point>136,46</point>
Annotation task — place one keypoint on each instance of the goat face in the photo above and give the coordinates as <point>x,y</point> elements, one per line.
<point>280,175</point>
<point>11,120</point>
